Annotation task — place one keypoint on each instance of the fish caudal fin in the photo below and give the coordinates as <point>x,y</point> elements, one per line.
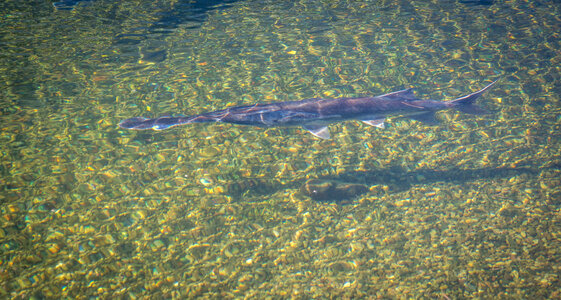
<point>466,104</point>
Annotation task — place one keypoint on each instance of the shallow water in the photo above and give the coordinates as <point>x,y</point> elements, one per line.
<point>468,208</point>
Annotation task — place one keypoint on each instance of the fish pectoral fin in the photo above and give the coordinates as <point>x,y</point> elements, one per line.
<point>376,122</point>
<point>427,118</point>
<point>320,131</point>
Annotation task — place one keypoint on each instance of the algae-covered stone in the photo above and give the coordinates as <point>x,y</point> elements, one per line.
<point>332,190</point>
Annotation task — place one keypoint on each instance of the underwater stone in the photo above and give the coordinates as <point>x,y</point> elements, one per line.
<point>329,190</point>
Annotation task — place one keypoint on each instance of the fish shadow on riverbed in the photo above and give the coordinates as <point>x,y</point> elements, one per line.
<point>344,188</point>
<point>397,179</point>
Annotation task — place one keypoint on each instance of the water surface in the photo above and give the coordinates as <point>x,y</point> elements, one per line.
<point>468,208</point>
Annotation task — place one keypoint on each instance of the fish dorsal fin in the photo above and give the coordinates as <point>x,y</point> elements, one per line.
<point>402,95</point>
<point>376,123</point>
<point>320,131</point>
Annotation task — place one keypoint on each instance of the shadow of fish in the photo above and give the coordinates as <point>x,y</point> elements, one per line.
<point>315,114</point>
<point>343,188</point>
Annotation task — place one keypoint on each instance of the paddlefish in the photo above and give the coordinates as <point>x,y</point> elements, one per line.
<point>314,115</point>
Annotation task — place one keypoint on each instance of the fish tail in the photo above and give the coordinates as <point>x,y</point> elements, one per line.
<point>466,104</point>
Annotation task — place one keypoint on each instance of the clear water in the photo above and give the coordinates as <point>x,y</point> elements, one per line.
<point>468,208</point>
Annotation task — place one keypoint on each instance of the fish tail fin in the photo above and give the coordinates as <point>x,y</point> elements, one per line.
<point>466,104</point>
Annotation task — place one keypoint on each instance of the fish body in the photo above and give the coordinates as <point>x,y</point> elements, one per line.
<point>316,114</point>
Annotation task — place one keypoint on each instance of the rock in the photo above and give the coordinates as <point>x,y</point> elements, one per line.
<point>332,190</point>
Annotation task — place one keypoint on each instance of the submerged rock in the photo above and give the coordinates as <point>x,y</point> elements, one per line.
<point>332,190</point>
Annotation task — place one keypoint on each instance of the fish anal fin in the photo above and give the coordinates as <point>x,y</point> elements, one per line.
<point>320,131</point>
<point>427,118</point>
<point>376,122</point>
